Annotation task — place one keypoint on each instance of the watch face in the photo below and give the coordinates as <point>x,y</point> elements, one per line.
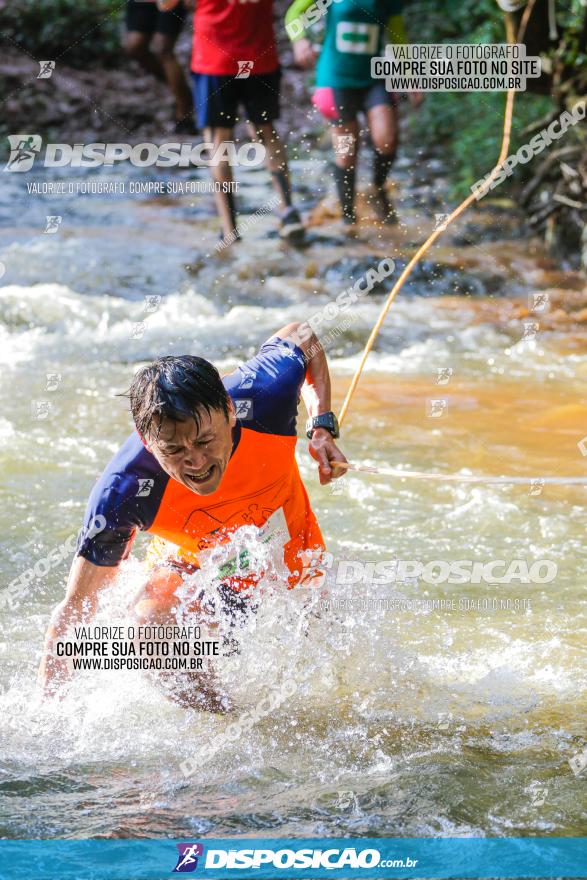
<point>325,420</point>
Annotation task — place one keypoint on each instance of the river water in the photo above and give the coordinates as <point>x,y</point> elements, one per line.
<point>412,719</point>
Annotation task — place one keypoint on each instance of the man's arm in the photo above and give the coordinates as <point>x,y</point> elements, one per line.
<point>84,584</point>
<point>303,50</point>
<point>316,394</point>
<point>293,23</point>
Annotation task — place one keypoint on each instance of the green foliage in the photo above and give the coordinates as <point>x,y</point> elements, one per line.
<point>463,21</point>
<point>574,23</point>
<point>467,124</point>
<point>74,31</point>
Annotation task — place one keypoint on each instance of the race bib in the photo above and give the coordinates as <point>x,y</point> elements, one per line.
<point>274,529</point>
<point>357,37</point>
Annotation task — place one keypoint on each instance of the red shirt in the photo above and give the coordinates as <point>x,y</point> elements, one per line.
<point>229,31</point>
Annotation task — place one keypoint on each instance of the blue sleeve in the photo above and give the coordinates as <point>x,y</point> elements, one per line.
<point>125,498</point>
<point>108,532</point>
<point>266,389</point>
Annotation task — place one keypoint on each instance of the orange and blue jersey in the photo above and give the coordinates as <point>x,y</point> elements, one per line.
<point>261,483</point>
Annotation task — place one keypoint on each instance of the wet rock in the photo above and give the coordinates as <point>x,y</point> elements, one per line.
<point>427,278</point>
<point>476,233</point>
<point>349,269</point>
<point>314,238</point>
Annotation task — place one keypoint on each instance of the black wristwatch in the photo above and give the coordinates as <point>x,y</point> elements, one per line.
<point>324,420</point>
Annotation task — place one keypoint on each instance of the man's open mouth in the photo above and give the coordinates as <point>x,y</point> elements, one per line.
<point>201,477</point>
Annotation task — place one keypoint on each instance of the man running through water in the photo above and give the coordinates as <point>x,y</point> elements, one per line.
<point>355,32</point>
<point>152,29</point>
<point>208,456</point>
<point>234,64</point>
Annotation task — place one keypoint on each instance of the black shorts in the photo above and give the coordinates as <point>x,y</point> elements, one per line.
<point>217,98</point>
<point>350,102</point>
<point>145,18</point>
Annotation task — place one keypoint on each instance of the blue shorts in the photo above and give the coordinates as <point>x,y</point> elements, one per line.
<point>217,98</point>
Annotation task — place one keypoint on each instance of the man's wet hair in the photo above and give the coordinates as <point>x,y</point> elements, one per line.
<point>175,388</point>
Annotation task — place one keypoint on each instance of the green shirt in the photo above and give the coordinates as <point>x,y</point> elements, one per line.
<point>355,32</point>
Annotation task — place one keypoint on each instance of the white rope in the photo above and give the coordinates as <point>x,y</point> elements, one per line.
<point>463,478</point>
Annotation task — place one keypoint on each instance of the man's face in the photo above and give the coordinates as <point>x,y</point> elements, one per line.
<point>196,457</point>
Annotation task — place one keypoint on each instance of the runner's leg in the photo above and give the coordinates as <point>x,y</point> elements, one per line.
<point>154,607</point>
<point>141,23</point>
<point>162,48</point>
<point>136,45</point>
<point>216,102</point>
<point>345,142</point>
<point>222,173</point>
<point>275,159</point>
<point>345,138</point>
<point>260,95</point>
<point>383,126</point>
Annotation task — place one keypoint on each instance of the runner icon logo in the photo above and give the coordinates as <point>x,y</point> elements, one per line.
<point>40,409</point>
<point>531,329</point>
<point>436,407</point>
<point>441,221</point>
<point>337,487</point>
<point>248,378</point>
<point>53,222</point>
<point>443,375</point>
<point>46,69</point>
<point>578,762</point>
<point>538,302</point>
<point>344,144</point>
<point>537,794</point>
<point>187,860</point>
<point>244,69</point>
<point>53,381</point>
<point>152,303</point>
<point>536,487</point>
<point>244,408</point>
<point>24,148</point>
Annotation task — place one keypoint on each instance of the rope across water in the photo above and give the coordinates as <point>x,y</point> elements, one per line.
<point>464,478</point>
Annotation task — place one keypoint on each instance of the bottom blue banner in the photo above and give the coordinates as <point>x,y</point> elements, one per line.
<point>292,857</point>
